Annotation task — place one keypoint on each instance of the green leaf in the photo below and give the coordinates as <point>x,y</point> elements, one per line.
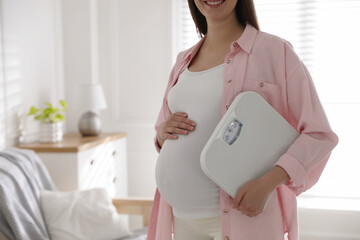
<point>47,112</point>
<point>60,117</point>
<point>63,104</point>
<point>49,105</point>
<point>53,119</point>
<point>52,111</point>
<point>33,110</point>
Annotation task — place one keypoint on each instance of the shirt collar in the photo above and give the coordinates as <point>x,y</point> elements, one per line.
<point>245,41</point>
<point>247,38</point>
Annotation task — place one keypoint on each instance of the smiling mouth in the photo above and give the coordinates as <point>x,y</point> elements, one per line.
<point>214,3</point>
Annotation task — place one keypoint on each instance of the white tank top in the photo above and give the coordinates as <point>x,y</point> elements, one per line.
<point>179,177</point>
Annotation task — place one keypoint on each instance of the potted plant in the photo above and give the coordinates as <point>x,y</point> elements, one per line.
<point>51,121</point>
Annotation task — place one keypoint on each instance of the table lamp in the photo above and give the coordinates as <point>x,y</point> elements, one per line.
<point>91,99</point>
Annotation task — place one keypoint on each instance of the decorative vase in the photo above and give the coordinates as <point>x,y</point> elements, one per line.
<point>51,132</point>
<point>90,124</point>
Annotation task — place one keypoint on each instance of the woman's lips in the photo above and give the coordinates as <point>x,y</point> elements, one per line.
<point>215,3</point>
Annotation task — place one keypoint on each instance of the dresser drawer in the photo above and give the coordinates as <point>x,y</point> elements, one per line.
<point>121,168</point>
<point>97,168</point>
<point>79,163</point>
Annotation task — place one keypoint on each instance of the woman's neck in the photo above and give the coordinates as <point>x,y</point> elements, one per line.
<point>222,33</point>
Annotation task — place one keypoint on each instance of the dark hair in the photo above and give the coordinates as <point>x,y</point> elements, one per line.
<point>245,12</point>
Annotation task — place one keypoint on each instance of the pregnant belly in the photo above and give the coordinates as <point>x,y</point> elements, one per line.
<point>179,176</point>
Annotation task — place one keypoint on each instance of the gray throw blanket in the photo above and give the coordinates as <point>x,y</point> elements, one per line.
<point>22,177</point>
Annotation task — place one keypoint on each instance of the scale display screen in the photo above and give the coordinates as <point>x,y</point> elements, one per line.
<point>232,132</point>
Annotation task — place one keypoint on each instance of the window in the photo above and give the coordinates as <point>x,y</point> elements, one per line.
<point>324,35</point>
<point>10,90</point>
<point>2,93</point>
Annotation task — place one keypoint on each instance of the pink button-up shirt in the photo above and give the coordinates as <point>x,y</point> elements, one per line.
<point>268,65</point>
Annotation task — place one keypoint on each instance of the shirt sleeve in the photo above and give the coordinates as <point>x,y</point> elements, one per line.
<point>164,110</point>
<point>307,156</point>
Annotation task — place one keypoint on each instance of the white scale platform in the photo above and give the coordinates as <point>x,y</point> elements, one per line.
<point>246,143</point>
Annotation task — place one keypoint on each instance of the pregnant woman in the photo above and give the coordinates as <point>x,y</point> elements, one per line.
<point>232,56</point>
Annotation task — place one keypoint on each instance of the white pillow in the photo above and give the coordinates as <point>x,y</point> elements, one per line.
<point>86,214</point>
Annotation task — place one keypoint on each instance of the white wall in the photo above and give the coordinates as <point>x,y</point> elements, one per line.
<point>77,53</point>
<point>329,224</point>
<point>126,46</point>
<point>140,64</point>
<point>2,86</point>
<point>133,62</point>
<point>30,61</point>
<point>48,48</point>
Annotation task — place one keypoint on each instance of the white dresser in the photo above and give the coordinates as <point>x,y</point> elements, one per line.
<point>79,163</point>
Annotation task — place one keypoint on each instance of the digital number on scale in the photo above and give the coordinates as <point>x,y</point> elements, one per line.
<point>232,131</point>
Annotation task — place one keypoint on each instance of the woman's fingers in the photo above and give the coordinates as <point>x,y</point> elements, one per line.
<point>182,120</point>
<point>177,130</point>
<point>251,198</point>
<point>181,114</point>
<point>248,210</point>
<point>182,125</point>
<point>240,203</point>
<point>177,123</point>
<point>169,136</point>
<point>238,197</point>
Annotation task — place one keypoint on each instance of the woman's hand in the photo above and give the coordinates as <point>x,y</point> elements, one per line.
<point>177,123</point>
<point>251,198</point>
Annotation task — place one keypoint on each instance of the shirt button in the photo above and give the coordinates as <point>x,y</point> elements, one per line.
<point>228,61</point>
<point>227,238</point>
<point>261,84</point>
<point>226,210</point>
<point>227,107</point>
<point>229,80</point>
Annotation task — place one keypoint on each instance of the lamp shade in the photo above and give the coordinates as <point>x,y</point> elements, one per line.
<point>91,97</point>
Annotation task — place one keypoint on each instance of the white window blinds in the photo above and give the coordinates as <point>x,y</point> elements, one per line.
<point>184,31</point>
<point>2,92</point>
<point>325,36</point>
<point>10,90</point>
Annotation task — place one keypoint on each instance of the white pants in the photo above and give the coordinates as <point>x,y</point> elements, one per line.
<point>197,229</point>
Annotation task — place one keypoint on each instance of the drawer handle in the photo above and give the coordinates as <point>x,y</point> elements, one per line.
<point>92,162</point>
<point>115,180</point>
<point>114,153</point>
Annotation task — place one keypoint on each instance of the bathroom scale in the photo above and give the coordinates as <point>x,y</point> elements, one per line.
<point>246,143</point>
